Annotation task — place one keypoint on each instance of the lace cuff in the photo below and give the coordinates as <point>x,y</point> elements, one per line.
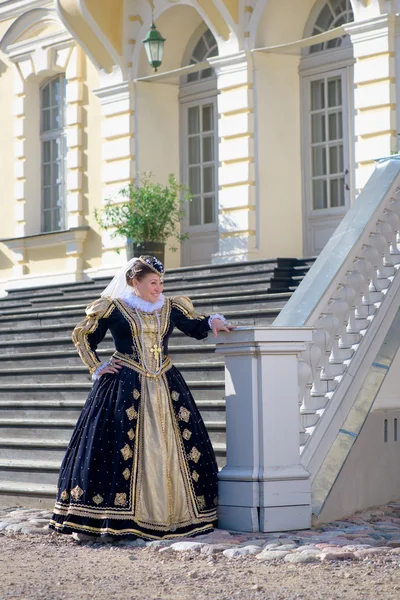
<point>216,316</point>
<point>99,369</point>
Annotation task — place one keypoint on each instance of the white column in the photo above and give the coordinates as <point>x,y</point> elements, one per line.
<point>263,486</point>
<point>375,93</point>
<point>236,175</point>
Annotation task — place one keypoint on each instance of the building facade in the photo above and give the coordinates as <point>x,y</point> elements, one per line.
<point>273,112</point>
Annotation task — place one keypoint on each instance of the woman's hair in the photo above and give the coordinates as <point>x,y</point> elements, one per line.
<point>138,271</point>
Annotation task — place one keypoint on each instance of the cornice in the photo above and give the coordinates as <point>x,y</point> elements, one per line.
<point>10,9</point>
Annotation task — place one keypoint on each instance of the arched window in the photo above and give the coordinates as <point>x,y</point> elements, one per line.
<point>53,151</point>
<point>199,151</point>
<point>205,48</point>
<point>334,14</point>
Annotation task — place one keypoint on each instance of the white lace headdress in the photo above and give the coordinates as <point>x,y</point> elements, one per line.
<point>118,286</point>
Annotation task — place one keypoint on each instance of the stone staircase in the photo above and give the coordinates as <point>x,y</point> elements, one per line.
<point>43,384</point>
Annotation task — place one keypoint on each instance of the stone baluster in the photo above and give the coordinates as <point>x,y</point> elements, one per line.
<point>381,245</point>
<point>333,367</point>
<point>355,324</point>
<point>328,323</point>
<point>393,219</point>
<point>348,295</point>
<point>373,294</point>
<point>386,231</point>
<point>364,267</point>
<point>308,366</point>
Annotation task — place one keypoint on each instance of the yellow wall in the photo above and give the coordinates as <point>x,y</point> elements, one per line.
<point>158,134</point>
<point>46,260</point>
<point>92,164</point>
<point>109,17</point>
<point>279,165</point>
<point>283,21</point>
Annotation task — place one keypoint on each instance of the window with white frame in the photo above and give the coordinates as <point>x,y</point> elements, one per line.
<point>334,14</point>
<point>327,127</point>
<point>53,153</point>
<point>205,48</point>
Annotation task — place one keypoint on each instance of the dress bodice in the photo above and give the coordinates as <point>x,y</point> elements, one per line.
<point>140,338</point>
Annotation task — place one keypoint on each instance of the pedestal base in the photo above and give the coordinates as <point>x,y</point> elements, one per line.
<point>285,518</point>
<point>238,518</point>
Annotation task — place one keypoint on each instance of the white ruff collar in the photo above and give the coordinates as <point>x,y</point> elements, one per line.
<point>143,305</point>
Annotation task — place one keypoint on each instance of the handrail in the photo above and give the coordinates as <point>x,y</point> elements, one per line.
<point>349,297</point>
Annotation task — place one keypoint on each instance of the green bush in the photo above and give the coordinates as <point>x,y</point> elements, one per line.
<point>149,213</point>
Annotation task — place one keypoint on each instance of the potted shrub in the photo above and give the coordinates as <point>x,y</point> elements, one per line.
<point>146,216</point>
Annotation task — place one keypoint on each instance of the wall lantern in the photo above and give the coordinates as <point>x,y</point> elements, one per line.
<point>154,46</point>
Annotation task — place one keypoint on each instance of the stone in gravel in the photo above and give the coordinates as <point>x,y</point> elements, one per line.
<point>159,544</point>
<point>256,542</point>
<point>371,552</point>
<point>309,551</point>
<point>187,546</point>
<point>14,527</point>
<point>132,543</point>
<point>287,547</point>
<point>339,554</point>
<point>270,555</point>
<point>3,525</point>
<point>241,552</point>
<point>394,551</point>
<point>299,559</point>
<point>271,546</point>
<point>211,549</point>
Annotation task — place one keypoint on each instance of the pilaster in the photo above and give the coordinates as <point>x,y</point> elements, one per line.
<point>117,104</point>
<point>74,133</point>
<point>236,175</point>
<point>375,92</point>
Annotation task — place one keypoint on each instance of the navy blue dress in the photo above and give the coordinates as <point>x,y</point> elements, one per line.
<point>140,461</point>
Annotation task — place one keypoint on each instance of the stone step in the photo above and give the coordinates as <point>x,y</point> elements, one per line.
<point>257,281</point>
<point>74,312</point>
<point>54,450</point>
<point>79,373</point>
<point>232,271</point>
<point>29,471</point>
<point>22,489</point>
<point>61,429</point>
<point>69,356</point>
<point>72,317</point>
<point>202,390</point>
<point>211,410</point>
<point>259,316</point>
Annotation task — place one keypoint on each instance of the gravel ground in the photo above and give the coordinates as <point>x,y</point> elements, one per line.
<point>357,559</point>
<point>56,568</point>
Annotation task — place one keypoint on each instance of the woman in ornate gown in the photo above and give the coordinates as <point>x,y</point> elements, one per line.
<point>140,462</point>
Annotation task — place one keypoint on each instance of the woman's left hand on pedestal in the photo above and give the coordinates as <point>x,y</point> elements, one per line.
<point>218,325</point>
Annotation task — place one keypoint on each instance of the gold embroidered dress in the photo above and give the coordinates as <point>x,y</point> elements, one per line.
<point>140,462</point>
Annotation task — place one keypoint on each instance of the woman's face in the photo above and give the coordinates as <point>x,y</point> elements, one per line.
<point>149,288</point>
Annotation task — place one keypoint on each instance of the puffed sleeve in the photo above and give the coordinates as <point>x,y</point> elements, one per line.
<point>88,334</point>
<point>187,320</point>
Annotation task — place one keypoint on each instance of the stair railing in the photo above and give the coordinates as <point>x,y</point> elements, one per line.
<point>316,355</point>
<point>348,298</point>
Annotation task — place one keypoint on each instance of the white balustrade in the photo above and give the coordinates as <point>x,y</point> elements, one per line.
<point>345,305</point>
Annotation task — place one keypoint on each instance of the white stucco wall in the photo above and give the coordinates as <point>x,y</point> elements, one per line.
<point>371,474</point>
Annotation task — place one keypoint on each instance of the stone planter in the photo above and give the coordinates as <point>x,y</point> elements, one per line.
<point>156,249</point>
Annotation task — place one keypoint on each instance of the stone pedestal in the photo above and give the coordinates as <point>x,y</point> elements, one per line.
<point>263,486</point>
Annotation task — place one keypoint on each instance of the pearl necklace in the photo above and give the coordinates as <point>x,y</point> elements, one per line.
<point>155,349</point>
